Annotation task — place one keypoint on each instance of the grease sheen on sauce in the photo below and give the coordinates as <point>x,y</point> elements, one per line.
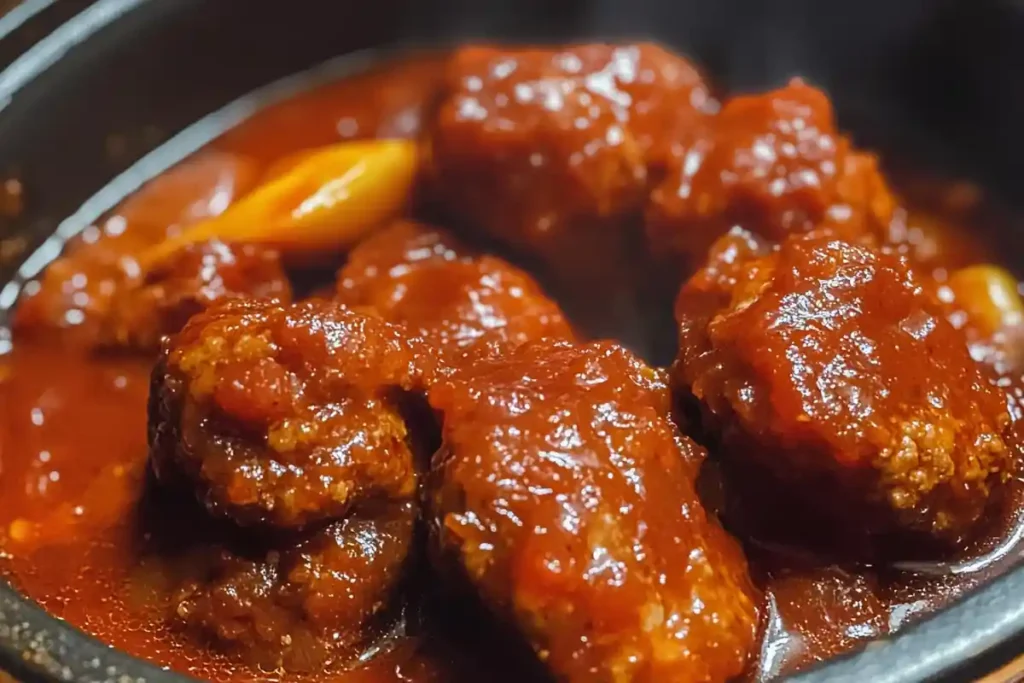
<point>73,451</point>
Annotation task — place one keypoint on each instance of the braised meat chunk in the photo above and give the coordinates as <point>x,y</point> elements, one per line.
<point>389,254</point>
<point>773,164</point>
<point>185,283</point>
<point>307,601</point>
<point>465,306</point>
<point>565,496</point>
<point>123,307</point>
<point>283,415</point>
<point>75,293</point>
<point>549,149</point>
<point>829,365</point>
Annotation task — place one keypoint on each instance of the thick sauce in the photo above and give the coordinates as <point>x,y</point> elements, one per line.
<point>77,535</point>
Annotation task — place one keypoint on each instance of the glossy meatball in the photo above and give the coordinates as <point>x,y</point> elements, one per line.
<point>75,293</point>
<point>773,164</point>
<point>550,149</point>
<point>465,306</point>
<point>283,415</point>
<point>828,364</point>
<point>187,282</point>
<point>391,253</point>
<point>300,604</point>
<point>565,496</point>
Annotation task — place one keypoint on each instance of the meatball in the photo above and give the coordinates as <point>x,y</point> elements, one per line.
<point>550,149</point>
<point>773,164</point>
<point>566,497</point>
<point>74,294</point>
<point>389,254</point>
<point>828,365</point>
<point>185,283</point>
<point>283,415</point>
<point>298,605</point>
<point>466,307</point>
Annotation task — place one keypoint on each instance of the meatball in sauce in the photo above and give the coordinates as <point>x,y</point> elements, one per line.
<point>773,164</point>
<point>830,365</point>
<point>453,462</point>
<point>567,498</point>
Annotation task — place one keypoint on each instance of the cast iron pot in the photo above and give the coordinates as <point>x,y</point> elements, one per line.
<point>923,80</point>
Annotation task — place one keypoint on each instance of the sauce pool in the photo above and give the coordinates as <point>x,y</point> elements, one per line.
<point>76,535</point>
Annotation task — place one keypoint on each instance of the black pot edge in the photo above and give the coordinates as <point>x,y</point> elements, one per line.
<point>37,647</point>
<point>20,14</point>
<point>57,44</point>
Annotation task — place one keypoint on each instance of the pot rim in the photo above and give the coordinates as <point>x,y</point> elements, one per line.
<point>957,642</point>
<point>21,14</point>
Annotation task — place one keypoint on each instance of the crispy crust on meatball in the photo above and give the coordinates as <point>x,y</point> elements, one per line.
<point>283,415</point>
<point>565,496</point>
<point>829,364</point>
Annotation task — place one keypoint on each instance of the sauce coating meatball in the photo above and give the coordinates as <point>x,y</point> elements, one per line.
<point>75,293</point>
<point>830,365</point>
<point>464,306</point>
<point>283,415</point>
<point>773,164</point>
<point>297,606</point>
<point>185,283</point>
<point>389,254</point>
<point>565,495</point>
<point>549,149</point>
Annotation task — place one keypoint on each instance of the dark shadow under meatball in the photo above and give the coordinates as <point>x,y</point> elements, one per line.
<point>307,601</point>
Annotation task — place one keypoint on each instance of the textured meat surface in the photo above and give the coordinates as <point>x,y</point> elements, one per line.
<point>188,281</point>
<point>550,149</point>
<point>828,363</point>
<point>774,164</point>
<point>283,414</point>
<point>564,494</point>
<point>74,295</point>
<point>297,605</point>
<point>465,306</point>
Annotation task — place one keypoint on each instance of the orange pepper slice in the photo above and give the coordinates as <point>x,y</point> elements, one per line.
<point>324,199</point>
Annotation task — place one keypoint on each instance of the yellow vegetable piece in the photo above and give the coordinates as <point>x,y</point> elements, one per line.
<point>324,199</point>
<point>988,295</point>
<point>288,163</point>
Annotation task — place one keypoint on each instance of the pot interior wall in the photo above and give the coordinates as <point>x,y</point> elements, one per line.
<point>925,82</point>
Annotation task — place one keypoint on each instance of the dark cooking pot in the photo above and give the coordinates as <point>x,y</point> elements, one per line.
<point>920,80</point>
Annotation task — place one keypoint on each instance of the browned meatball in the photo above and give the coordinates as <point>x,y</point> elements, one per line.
<point>283,415</point>
<point>550,149</point>
<point>187,282</point>
<point>307,601</point>
<point>565,495</point>
<point>389,254</point>
<point>829,365</point>
<point>121,307</point>
<point>466,307</point>
<point>773,164</point>
<point>74,294</point>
